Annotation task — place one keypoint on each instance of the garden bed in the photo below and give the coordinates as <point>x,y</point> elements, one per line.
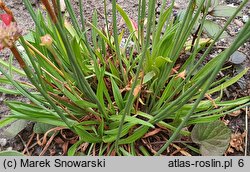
<point>58,146</point>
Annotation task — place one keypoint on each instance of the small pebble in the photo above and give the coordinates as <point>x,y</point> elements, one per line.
<point>3,142</point>
<point>63,6</point>
<point>237,57</point>
<point>177,6</point>
<point>231,5</point>
<point>245,18</point>
<point>9,149</point>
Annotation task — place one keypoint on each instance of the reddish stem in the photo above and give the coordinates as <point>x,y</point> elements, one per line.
<point>18,57</point>
<point>50,11</point>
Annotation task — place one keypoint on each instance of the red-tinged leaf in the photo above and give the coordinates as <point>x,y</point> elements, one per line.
<point>135,26</point>
<point>6,18</point>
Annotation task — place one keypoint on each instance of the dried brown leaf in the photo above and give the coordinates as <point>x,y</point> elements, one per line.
<point>230,150</point>
<point>152,133</point>
<point>65,147</point>
<point>181,74</point>
<point>181,150</point>
<point>137,90</point>
<point>237,141</point>
<point>235,113</point>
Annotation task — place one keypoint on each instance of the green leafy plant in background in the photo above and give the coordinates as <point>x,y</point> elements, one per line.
<point>217,10</point>
<point>213,137</point>
<point>112,95</point>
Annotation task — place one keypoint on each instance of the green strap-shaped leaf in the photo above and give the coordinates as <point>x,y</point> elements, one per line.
<point>229,82</point>
<point>112,134</point>
<point>117,95</point>
<point>6,121</point>
<point>132,120</point>
<point>138,133</point>
<point>10,153</point>
<point>73,148</point>
<point>9,91</point>
<point>126,18</point>
<point>86,136</point>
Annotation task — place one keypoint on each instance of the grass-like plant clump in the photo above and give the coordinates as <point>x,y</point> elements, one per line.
<point>111,93</point>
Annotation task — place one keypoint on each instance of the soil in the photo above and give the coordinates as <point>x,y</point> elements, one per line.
<point>131,7</point>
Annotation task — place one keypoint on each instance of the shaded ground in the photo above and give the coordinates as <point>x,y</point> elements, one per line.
<point>25,22</point>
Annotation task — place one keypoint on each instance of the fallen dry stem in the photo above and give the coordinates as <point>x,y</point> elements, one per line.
<point>27,145</point>
<point>50,11</point>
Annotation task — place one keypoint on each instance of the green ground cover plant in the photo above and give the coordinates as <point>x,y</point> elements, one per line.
<point>110,95</point>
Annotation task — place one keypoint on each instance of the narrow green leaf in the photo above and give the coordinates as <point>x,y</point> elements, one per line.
<point>112,134</point>
<point>138,133</point>
<point>162,123</point>
<point>228,82</point>
<point>86,104</point>
<point>113,69</point>
<point>117,94</point>
<point>162,20</point>
<point>101,35</point>
<point>5,64</point>
<point>124,152</point>
<point>160,61</point>
<point>126,18</point>
<point>10,153</point>
<point>6,121</point>
<point>132,120</point>
<point>206,119</point>
<point>72,150</point>
<point>9,91</point>
<point>130,101</point>
<point>94,34</point>
<point>86,136</point>
<point>144,151</point>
